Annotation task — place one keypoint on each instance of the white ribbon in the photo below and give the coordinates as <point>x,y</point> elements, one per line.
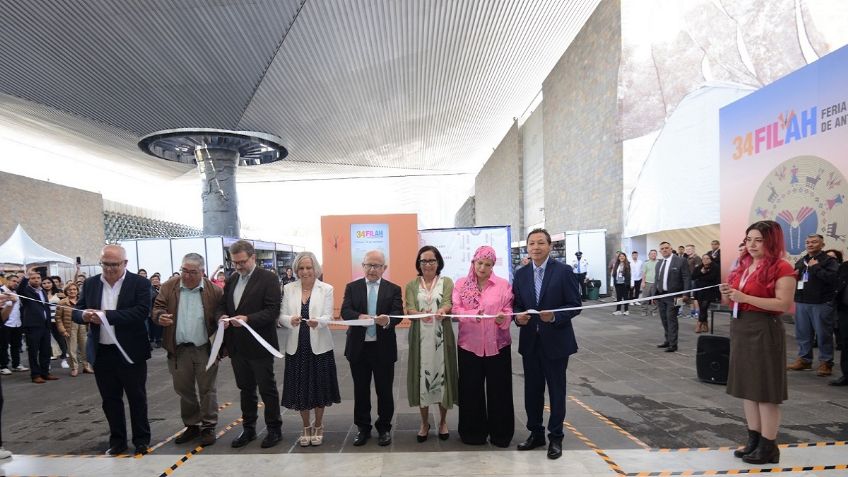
<point>573,308</point>
<point>103,319</point>
<point>219,338</point>
<point>111,332</point>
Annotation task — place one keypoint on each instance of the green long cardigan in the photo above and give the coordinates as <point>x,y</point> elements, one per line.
<point>413,379</point>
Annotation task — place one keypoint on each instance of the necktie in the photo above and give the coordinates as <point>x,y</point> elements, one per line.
<point>540,274</point>
<point>578,266</point>
<point>372,307</point>
<point>662,275</point>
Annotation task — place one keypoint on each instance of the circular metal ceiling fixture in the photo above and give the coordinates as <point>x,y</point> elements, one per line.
<point>180,145</point>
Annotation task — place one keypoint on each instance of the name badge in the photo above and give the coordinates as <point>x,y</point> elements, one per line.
<point>800,285</point>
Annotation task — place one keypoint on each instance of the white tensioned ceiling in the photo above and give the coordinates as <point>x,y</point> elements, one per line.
<point>414,85</point>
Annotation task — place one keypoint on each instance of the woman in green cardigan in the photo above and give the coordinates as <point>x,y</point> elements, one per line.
<point>432,374</point>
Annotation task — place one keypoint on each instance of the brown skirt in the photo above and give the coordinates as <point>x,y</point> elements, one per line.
<point>757,358</point>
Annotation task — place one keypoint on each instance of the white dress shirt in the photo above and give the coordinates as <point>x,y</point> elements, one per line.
<point>635,270</point>
<point>109,301</point>
<point>14,320</point>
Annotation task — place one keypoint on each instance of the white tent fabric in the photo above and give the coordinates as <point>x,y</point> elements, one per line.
<point>21,249</point>
<point>678,182</point>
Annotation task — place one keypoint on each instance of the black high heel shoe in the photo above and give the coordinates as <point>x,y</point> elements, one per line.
<point>445,436</point>
<point>423,438</point>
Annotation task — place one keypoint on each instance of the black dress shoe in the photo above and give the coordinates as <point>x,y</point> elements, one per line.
<point>189,434</point>
<point>246,436</point>
<point>116,450</point>
<point>671,349</point>
<point>532,442</point>
<point>361,438</point>
<point>384,439</point>
<point>843,381</point>
<point>271,439</point>
<point>555,450</point>
<point>663,345</point>
<point>141,449</point>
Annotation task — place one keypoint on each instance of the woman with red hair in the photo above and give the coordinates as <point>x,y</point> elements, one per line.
<point>760,289</point>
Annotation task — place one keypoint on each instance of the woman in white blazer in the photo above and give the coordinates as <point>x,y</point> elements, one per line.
<point>309,381</point>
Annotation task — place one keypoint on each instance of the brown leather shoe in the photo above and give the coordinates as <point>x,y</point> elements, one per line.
<point>87,369</point>
<point>800,365</point>
<point>824,369</point>
<point>38,380</point>
<point>50,377</point>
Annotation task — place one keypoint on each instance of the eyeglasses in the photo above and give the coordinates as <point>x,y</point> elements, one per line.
<point>189,272</point>
<point>111,264</point>
<point>428,261</point>
<point>240,262</point>
<point>372,266</point>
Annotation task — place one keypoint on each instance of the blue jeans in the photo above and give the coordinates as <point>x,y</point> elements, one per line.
<point>818,318</point>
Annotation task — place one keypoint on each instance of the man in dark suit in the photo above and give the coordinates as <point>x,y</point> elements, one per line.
<point>372,350</point>
<point>35,323</point>
<point>546,339</point>
<point>672,276</point>
<point>252,295</point>
<point>715,252</point>
<point>123,299</point>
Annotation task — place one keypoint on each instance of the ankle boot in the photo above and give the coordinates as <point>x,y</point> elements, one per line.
<point>766,452</point>
<point>753,440</point>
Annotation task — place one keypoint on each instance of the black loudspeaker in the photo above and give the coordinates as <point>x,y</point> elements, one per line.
<point>713,358</point>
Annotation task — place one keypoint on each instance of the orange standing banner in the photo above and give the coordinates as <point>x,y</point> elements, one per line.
<point>346,238</point>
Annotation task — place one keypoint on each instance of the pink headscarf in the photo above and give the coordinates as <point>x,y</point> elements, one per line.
<point>469,292</point>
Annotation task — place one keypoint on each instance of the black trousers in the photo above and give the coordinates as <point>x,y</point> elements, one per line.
<point>538,371</point>
<point>10,338</point>
<point>581,279</point>
<point>622,293</point>
<point>60,340</point>
<point>485,398</point>
<point>637,289</point>
<point>253,373</point>
<point>704,309</point>
<point>668,316</point>
<point>367,365</point>
<point>1,415</point>
<point>842,316</point>
<point>38,349</point>
<point>154,331</point>
<point>116,377</point>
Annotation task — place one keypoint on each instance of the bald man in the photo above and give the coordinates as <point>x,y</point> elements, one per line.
<point>123,299</point>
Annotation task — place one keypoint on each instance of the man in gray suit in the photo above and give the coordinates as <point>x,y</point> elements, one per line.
<point>672,276</point>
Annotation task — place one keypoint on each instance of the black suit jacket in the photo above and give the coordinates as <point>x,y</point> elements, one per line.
<point>560,289</point>
<point>679,277</point>
<point>33,315</point>
<point>355,303</point>
<point>260,302</point>
<point>128,317</point>
<point>841,290</point>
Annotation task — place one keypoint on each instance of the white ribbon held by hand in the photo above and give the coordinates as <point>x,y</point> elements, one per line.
<point>219,339</point>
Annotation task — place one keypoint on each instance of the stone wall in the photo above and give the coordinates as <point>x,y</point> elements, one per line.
<point>497,197</point>
<point>465,215</point>
<point>582,146</point>
<point>63,219</point>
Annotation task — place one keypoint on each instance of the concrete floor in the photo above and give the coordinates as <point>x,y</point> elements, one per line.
<point>632,410</point>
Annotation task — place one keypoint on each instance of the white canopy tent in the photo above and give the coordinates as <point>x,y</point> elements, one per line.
<point>21,249</point>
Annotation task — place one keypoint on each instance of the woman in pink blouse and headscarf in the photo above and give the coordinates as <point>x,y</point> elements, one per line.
<point>484,355</point>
